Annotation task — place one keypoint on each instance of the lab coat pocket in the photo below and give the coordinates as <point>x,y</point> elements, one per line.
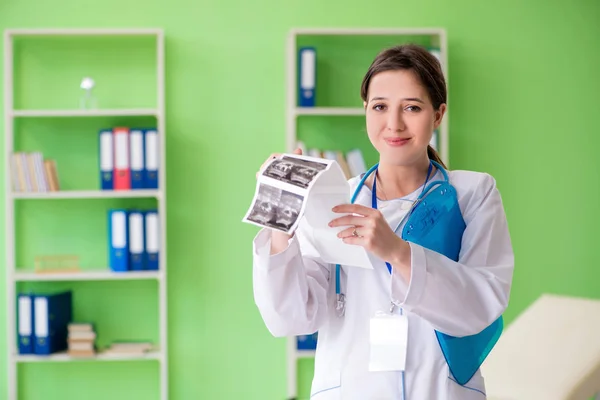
<point>327,387</point>
<point>472,390</point>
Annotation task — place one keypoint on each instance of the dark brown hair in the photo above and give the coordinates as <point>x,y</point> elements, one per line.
<point>425,65</point>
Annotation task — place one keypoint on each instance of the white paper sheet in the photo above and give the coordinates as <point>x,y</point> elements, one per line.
<point>291,188</point>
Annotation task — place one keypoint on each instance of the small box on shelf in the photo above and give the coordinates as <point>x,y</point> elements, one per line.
<point>60,263</point>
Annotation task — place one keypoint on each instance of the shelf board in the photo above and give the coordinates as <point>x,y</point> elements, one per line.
<point>64,357</point>
<point>134,112</point>
<point>305,353</point>
<point>87,194</point>
<point>368,31</point>
<point>85,275</point>
<point>330,111</point>
<point>85,32</point>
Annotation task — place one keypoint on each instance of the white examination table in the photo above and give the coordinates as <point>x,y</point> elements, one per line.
<point>549,352</point>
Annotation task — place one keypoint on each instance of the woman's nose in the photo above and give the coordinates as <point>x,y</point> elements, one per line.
<point>396,122</point>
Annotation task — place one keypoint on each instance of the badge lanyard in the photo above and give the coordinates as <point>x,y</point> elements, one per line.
<point>374,202</point>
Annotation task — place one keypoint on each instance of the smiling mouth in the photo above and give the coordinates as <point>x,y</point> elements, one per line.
<point>397,142</point>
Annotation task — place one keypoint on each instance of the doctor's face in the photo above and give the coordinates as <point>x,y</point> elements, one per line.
<point>400,117</point>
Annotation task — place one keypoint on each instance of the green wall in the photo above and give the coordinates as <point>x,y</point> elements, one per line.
<point>523,88</point>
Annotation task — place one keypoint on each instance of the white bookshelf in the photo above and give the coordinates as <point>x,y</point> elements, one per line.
<point>294,112</point>
<point>16,274</point>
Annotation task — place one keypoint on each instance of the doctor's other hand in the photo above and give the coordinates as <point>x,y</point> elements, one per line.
<point>279,240</point>
<point>368,228</point>
<point>273,156</point>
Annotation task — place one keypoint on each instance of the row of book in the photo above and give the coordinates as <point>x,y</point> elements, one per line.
<point>30,172</point>
<point>46,326</point>
<point>307,74</point>
<point>134,239</point>
<point>351,162</point>
<point>82,343</point>
<point>129,158</point>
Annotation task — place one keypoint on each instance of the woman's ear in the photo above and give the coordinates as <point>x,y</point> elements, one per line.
<point>365,105</point>
<point>439,115</point>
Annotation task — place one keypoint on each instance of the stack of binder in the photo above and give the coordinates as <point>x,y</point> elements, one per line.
<point>128,158</point>
<point>81,340</point>
<point>134,240</point>
<point>42,321</point>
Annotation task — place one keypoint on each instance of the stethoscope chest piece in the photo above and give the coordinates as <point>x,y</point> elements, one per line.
<point>340,307</point>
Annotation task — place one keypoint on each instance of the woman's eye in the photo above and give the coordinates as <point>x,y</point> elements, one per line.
<point>378,107</point>
<point>413,108</point>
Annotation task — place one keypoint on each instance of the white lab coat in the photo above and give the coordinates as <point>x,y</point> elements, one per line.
<point>295,293</point>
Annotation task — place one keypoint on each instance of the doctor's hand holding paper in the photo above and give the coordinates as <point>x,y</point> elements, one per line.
<point>419,321</point>
<point>279,240</point>
<point>369,229</point>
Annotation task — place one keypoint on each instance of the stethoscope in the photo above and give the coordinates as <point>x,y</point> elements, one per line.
<point>341,298</point>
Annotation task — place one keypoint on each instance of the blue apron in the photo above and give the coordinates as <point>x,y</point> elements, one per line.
<point>435,222</point>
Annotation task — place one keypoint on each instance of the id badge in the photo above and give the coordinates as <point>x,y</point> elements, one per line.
<point>388,342</point>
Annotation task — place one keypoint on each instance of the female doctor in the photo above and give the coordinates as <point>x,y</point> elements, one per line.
<point>382,330</point>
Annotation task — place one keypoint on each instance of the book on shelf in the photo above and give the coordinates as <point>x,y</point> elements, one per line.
<point>135,348</point>
<point>81,339</point>
<point>31,173</point>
